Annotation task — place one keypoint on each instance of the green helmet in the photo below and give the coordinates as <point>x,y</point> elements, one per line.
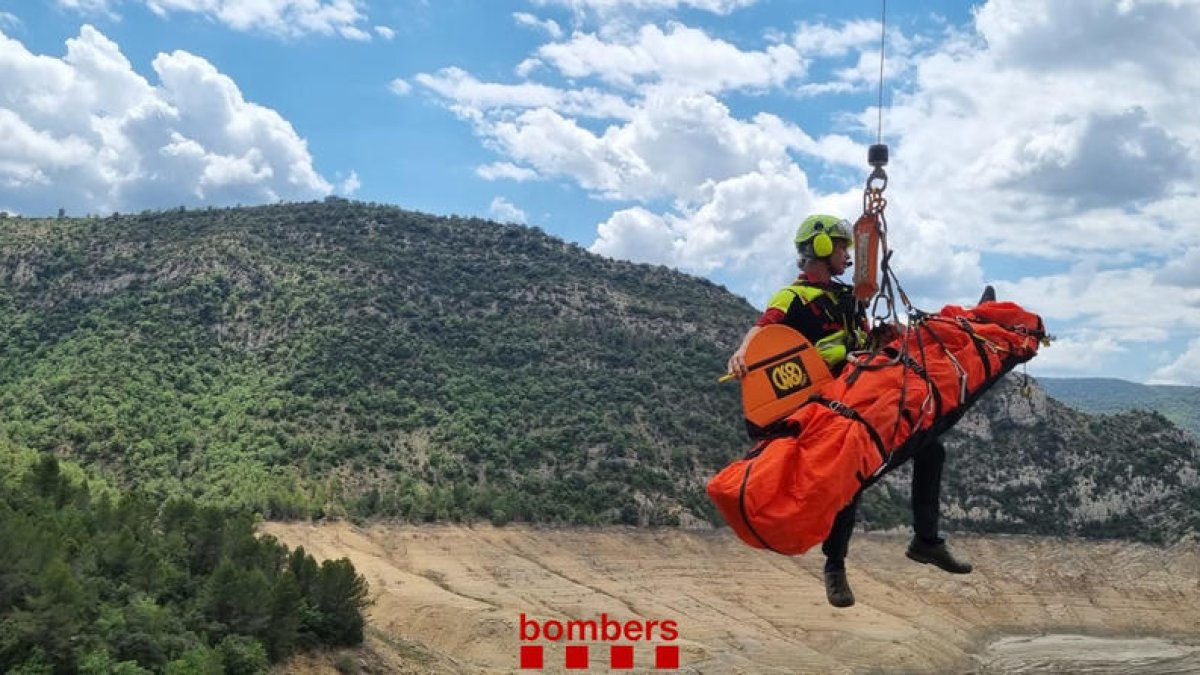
<point>814,238</point>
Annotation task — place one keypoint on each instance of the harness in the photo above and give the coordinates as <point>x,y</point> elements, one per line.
<point>836,322</point>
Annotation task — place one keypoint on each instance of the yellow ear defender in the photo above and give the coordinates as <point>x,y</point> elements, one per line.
<point>822,245</point>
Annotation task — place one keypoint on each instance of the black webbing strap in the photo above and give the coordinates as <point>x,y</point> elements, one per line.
<point>850,413</point>
<point>742,509</point>
<point>962,375</point>
<point>977,340</point>
<point>906,360</point>
<point>858,370</point>
<point>775,357</point>
<point>911,363</point>
<point>902,413</point>
<point>937,395</point>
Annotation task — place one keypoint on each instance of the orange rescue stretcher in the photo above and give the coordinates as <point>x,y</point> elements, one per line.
<point>848,432</point>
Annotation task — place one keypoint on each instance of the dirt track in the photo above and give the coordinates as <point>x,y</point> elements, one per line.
<point>448,599</point>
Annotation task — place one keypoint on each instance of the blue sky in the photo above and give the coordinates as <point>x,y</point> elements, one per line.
<point>1045,147</point>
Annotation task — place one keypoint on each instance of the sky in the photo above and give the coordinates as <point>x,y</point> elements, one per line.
<point>1046,147</point>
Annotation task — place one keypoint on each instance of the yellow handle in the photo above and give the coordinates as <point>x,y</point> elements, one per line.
<point>726,377</point>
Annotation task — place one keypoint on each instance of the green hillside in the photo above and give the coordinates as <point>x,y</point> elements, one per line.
<point>347,359</point>
<point>297,359</point>
<point>1179,404</point>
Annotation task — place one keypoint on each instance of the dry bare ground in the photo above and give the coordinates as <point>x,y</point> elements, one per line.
<point>447,599</point>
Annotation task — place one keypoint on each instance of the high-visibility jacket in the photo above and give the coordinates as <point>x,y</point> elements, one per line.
<point>826,314</point>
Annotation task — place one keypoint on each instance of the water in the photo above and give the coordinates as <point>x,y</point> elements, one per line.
<point>1082,655</point>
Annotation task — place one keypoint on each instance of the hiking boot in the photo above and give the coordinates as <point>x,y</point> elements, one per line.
<point>837,588</point>
<point>937,554</point>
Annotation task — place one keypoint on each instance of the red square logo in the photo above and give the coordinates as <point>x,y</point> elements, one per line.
<point>531,656</point>
<point>666,657</point>
<point>577,657</point>
<point>620,657</point>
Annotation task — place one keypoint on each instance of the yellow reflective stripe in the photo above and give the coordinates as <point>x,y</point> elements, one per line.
<point>809,293</point>
<point>783,300</point>
<point>832,347</point>
<point>832,354</point>
<point>839,338</point>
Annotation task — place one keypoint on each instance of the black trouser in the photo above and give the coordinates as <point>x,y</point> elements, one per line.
<point>926,490</point>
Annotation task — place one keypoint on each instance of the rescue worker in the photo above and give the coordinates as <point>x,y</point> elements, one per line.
<point>825,312</point>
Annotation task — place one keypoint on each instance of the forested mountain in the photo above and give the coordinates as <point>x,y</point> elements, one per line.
<point>299,358</point>
<point>1180,404</point>
<point>1025,463</point>
<point>353,359</point>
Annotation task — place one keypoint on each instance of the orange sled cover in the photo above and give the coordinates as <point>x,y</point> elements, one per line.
<point>785,493</point>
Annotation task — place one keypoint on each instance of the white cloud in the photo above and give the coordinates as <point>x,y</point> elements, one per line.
<point>504,211</point>
<point>819,39</point>
<point>1184,370</point>
<point>859,41</point>
<point>400,87</point>
<point>734,189</point>
<point>385,32</point>
<point>813,89</point>
<point>550,26</point>
<point>683,57</point>
<point>1060,160</point>
<point>1184,270</point>
<point>737,222</point>
<point>526,67</point>
<point>99,7</point>
<point>505,171</point>
<point>676,147</point>
<point>932,270</point>
<point>353,33</point>
<point>1127,302</point>
<point>1058,137</point>
<point>350,185</point>
<point>732,184</point>
<point>9,21</point>
<point>1154,37</point>
<point>636,234</point>
<point>88,133</point>
<point>1084,354</point>
<point>282,18</point>
<point>745,225</point>
<point>472,96</point>
<point>611,6</point>
<point>1075,137</point>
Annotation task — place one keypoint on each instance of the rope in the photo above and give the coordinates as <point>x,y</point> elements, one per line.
<point>882,44</point>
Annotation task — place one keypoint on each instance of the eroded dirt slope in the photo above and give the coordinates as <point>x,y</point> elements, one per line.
<point>448,599</point>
